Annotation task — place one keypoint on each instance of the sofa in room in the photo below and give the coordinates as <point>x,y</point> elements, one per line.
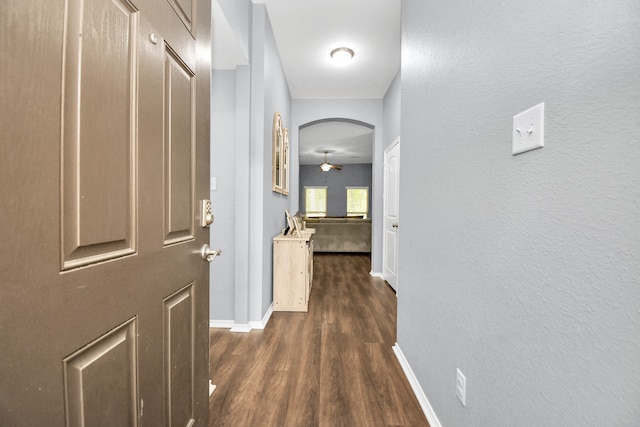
<point>341,234</point>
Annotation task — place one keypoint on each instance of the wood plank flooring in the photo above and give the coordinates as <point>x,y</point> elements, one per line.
<point>332,366</point>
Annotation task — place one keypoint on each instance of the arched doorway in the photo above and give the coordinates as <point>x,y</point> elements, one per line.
<point>342,142</point>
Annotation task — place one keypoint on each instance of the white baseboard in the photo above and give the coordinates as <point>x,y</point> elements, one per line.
<point>229,324</point>
<point>417,389</point>
<point>376,274</point>
<point>221,324</point>
<point>243,327</point>
<point>262,324</point>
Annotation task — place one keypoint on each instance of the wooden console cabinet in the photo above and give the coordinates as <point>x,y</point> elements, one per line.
<point>292,271</point>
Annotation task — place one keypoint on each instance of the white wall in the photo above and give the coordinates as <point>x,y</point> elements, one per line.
<point>522,271</point>
<point>368,111</point>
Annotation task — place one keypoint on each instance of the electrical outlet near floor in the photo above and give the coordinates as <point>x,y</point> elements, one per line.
<point>461,387</point>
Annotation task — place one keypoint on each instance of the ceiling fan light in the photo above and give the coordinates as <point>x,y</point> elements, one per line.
<point>342,55</point>
<point>326,167</point>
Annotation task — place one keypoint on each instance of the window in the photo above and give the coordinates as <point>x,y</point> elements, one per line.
<point>315,201</point>
<point>358,201</point>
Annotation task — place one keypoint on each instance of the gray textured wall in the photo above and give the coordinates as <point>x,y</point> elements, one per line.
<point>356,175</point>
<point>238,15</point>
<point>522,271</point>
<point>223,137</point>
<point>392,109</point>
<point>276,98</point>
<point>248,214</point>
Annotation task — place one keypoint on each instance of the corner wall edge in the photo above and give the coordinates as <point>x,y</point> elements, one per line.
<point>427,409</point>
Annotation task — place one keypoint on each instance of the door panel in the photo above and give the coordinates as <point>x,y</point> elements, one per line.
<point>179,357</point>
<point>101,381</point>
<point>186,11</point>
<point>99,136</point>
<point>392,183</point>
<point>179,118</point>
<point>390,252</point>
<point>82,162</point>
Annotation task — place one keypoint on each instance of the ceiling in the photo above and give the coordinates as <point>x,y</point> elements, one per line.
<point>306,32</point>
<point>345,142</point>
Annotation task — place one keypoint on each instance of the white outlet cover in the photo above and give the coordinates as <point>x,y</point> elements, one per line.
<point>528,130</point>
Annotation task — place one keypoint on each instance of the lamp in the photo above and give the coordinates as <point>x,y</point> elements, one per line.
<point>342,55</point>
<point>326,167</point>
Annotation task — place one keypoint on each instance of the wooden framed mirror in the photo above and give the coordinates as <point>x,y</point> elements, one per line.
<point>280,157</point>
<point>277,149</point>
<point>285,163</point>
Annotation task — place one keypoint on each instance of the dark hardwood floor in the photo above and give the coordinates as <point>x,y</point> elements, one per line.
<point>332,366</point>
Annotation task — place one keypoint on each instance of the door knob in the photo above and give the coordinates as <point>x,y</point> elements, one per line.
<point>209,254</point>
<point>395,225</point>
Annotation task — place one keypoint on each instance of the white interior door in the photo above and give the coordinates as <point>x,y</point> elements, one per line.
<point>391,213</point>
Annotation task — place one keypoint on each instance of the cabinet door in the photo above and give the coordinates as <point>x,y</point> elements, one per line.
<point>289,258</point>
<point>309,279</point>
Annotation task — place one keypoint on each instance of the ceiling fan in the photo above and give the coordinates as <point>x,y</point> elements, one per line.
<point>326,166</point>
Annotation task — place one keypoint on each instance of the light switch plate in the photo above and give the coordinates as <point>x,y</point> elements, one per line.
<point>528,130</point>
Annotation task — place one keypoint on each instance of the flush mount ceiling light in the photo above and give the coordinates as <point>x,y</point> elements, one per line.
<point>342,55</point>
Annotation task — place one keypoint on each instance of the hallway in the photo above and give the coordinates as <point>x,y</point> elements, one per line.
<point>332,366</point>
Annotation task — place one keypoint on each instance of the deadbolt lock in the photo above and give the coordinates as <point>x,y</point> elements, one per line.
<point>206,215</point>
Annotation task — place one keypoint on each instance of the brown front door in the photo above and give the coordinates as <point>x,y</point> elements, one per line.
<point>104,156</point>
